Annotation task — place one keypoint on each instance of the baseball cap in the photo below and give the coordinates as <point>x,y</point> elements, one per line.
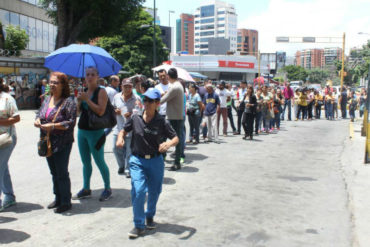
<point>127,82</point>
<point>152,93</point>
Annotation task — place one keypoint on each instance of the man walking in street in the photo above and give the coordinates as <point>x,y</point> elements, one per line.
<point>240,106</point>
<point>230,108</point>
<point>163,88</point>
<point>289,96</point>
<point>212,104</point>
<point>343,102</point>
<point>124,105</point>
<point>225,96</point>
<point>146,161</point>
<point>175,109</point>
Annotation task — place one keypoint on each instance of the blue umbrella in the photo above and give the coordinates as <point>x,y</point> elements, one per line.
<point>74,59</point>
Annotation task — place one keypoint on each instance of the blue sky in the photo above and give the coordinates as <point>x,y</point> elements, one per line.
<point>315,18</point>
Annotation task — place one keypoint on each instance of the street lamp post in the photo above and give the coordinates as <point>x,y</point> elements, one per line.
<point>169,17</point>
<point>154,42</point>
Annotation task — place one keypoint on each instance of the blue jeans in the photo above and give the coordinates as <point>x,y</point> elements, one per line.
<point>146,176</point>
<point>58,165</point>
<point>258,122</point>
<point>276,119</point>
<point>288,103</point>
<point>122,154</point>
<point>107,131</point>
<point>329,108</point>
<point>194,127</point>
<point>6,186</point>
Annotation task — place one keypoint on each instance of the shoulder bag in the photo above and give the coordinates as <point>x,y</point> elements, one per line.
<point>44,144</point>
<point>108,120</point>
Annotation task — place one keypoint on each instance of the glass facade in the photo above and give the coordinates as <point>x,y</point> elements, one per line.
<point>41,34</point>
<point>207,11</point>
<point>209,20</point>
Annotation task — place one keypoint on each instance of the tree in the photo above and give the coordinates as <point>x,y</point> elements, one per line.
<point>16,39</point>
<point>133,49</point>
<point>317,75</point>
<point>295,73</point>
<point>2,41</point>
<point>81,21</point>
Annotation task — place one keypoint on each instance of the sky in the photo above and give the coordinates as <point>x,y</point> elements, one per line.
<point>292,18</point>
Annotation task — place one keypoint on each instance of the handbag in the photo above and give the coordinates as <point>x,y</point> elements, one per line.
<point>108,120</point>
<point>191,111</point>
<point>44,144</point>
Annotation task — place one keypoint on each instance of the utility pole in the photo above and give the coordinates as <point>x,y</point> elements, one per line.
<point>154,43</point>
<point>342,71</point>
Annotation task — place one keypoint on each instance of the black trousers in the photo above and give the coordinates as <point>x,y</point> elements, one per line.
<point>240,116</point>
<point>248,119</point>
<point>178,126</point>
<point>309,110</point>
<point>344,110</point>
<point>58,165</point>
<point>230,116</point>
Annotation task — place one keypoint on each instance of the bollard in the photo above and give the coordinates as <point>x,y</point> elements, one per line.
<point>364,124</point>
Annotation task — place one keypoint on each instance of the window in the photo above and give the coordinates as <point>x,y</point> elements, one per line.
<point>14,19</point>
<point>196,28</point>
<point>203,40</point>
<point>239,39</point>
<point>203,46</point>
<point>196,46</point>
<point>203,52</point>
<point>4,17</point>
<point>206,11</point>
<point>24,25</point>
<point>222,31</point>
<point>221,19</point>
<point>196,22</point>
<point>32,33</point>
<point>45,36</point>
<point>209,20</point>
<point>38,35</point>
<point>221,12</point>
<point>207,33</point>
<point>221,25</point>
<point>206,27</point>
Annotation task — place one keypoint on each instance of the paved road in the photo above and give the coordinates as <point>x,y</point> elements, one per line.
<point>283,189</point>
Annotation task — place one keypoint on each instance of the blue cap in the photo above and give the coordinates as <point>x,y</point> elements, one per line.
<point>152,93</point>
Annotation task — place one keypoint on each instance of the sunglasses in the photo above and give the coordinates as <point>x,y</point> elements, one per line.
<point>54,82</point>
<point>148,100</point>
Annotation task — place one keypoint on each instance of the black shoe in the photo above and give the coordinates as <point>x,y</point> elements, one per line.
<point>121,171</point>
<point>244,138</point>
<point>136,232</point>
<point>251,137</point>
<point>82,194</point>
<point>54,204</point>
<point>62,208</point>
<point>150,224</point>
<point>175,167</point>
<point>236,133</point>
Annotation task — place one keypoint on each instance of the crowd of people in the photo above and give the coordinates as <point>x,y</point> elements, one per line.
<point>150,118</point>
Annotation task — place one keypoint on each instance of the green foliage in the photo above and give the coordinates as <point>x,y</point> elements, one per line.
<point>81,20</point>
<point>279,79</point>
<point>295,73</point>
<point>2,41</point>
<point>16,39</point>
<point>319,76</point>
<point>133,49</point>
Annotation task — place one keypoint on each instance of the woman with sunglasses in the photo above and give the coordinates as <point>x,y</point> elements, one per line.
<point>57,116</point>
<point>146,161</point>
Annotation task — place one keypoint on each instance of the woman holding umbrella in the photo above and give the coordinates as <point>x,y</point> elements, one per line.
<point>91,142</point>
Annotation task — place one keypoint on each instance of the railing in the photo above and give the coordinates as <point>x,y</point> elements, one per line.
<point>7,53</point>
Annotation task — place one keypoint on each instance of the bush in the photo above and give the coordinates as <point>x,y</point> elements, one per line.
<point>16,40</point>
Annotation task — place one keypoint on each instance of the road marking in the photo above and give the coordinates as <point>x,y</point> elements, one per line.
<point>351,131</point>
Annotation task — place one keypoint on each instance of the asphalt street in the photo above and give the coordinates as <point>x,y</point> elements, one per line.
<point>282,189</point>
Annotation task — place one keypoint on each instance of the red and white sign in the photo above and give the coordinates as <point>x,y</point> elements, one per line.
<point>235,64</point>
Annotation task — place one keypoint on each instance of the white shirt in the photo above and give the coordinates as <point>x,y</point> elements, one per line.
<point>162,88</point>
<point>8,108</point>
<point>111,93</point>
<point>223,94</point>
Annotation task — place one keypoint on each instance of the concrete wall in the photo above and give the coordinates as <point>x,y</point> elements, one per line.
<point>218,46</point>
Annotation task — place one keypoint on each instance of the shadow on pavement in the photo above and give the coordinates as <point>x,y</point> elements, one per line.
<point>191,147</point>
<point>193,157</point>
<point>121,198</point>
<point>188,169</point>
<point>8,236</point>
<point>173,229</point>
<point>6,219</point>
<point>23,207</point>
<point>169,181</point>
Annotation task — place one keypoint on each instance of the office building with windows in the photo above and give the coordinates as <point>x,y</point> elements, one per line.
<point>214,19</point>
<point>318,58</point>
<point>247,43</point>
<point>185,34</point>
<point>33,19</point>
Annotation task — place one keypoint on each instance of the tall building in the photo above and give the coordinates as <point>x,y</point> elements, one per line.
<point>214,19</point>
<point>185,34</point>
<point>247,42</point>
<point>150,11</point>
<point>317,58</point>
<point>29,16</point>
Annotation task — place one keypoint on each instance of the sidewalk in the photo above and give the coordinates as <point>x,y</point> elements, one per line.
<point>357,178</point>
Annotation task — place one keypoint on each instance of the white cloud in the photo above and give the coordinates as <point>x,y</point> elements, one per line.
<point>315,18</point>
